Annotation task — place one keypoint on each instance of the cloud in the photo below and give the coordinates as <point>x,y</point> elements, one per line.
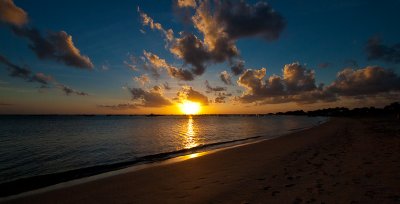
<point>298,79</point>
<point>213,89</point>
<point>41,78</point>
<point>143,79</point>
<point>192,50</point>
<point>376,50</point>
<point>15,70</point>
<point>221,28</point>
<point>188,93</point>
<point>367,81</point>
<point>148,21</point>
<point>221,97</point>
<point>187,3</point>
<point>166,86</point>
<point>238,68</point>
<point>217,40</point>
<point>243,20</point>
<point>172,71</point>
<point>256,88</point>
<point>12,14</point>
<point>298,85</point>
<point>69,91</point>
<point>132,63</point>
<point>56,46</point>
<point>225,77</point>
<point>149,98</point>
<point>122,106</point>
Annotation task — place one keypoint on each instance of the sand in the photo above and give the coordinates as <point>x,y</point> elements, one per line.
<point>342,161</point>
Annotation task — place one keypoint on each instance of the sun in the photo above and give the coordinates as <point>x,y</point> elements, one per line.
<point>190,108</point>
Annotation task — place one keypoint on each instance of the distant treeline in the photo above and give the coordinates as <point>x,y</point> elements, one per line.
<point>392,109</point>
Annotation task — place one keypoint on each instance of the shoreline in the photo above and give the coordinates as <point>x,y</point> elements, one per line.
<point>31,185</point>
<point>343,160</point>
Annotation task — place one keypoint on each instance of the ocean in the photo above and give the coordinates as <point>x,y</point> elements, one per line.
<point>37,147</point>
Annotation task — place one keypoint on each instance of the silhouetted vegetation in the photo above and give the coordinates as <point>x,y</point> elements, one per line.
<point>389,110</point>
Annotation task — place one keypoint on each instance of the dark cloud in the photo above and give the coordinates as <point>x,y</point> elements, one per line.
<point>6,104</point>
<point>56,46</point>
<point>238,68</point>
<point>44,80</point>
<point>149,98</point>
<point>69,91</point>
<point>122,106</point>
<point>225,77</point>
<point>243,20</point>
<point>368,81</point>
<point>221,97</point>
<point>15,70</point>
<point>192,50</point>
<point>180,74</point>
<point>188,93</point>
<point>209,88</point>
<point>12,14</point>
<point>376,50</point>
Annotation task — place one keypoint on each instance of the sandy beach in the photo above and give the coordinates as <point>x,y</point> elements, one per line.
<point>341,161</point>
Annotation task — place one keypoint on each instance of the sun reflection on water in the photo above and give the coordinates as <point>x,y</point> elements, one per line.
<point>190,134</point>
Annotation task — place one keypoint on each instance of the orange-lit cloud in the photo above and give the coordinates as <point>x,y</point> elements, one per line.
<point>12,14</point>
<point>220,26</point>
<point>172,71</point>
<point>187,3</point>
<point>142,79</point>
<point>298,85</point>
<point>148,21</point>
<point>367,81</point>
<point>188,93</point>
<point>149,98</point>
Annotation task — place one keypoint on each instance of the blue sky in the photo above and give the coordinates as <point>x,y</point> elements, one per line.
<point>334,33</point>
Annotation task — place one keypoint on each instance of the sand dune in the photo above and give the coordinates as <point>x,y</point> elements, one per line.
<point>342,161</point>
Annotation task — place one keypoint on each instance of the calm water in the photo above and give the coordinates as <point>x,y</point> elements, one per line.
<point>31,146</point>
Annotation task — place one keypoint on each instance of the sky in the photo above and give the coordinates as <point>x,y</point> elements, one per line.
<point>148,56</point>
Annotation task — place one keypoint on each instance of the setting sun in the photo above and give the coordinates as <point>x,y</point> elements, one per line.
<point>190,108</point>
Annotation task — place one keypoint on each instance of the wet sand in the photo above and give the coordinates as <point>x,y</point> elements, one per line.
<point>342,161</point>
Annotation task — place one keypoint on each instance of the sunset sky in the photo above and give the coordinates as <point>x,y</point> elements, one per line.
<point>149,56</point>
